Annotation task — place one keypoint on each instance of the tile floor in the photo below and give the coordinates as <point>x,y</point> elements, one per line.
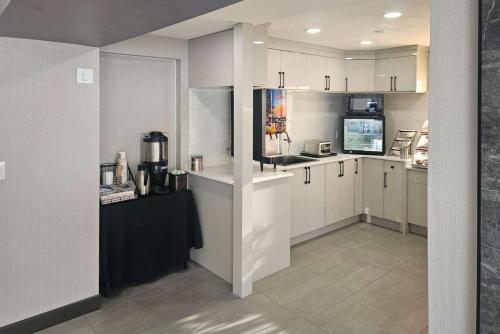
<point>360,279</point>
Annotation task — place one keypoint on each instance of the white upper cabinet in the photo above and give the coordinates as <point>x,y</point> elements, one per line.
<point>273,68</point>
<point>405,74</point>
<point>384,75</point>
<point>359,75</point>
<point>259,65</point>
<point>393,70</point>
<point>335,70</point>
<point>316,73</point>
<point>294,69</point>
<point>401,74</point>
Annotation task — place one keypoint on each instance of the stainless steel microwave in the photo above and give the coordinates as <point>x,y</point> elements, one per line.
<point>364,104</point>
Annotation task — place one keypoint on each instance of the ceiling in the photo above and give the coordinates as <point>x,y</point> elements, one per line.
<point>344,23</point>
<point>96,22</point>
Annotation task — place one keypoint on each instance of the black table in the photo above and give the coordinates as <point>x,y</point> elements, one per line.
<point>142,239</point>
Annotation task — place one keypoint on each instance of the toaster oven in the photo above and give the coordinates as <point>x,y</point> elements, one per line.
<point>318,147</point>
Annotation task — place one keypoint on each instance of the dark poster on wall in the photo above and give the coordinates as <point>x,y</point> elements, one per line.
<point>489,180</point>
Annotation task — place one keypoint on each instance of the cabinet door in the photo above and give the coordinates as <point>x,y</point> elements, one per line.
<point>358,186</point>
<point>373,187</point>
<point>335,69</point>
<point>316,198</point>
<point>417,204</point>
<point>405,73</point>
<point>316,72</point>
<point>333,193</point>
<point>360,74</point>
<point>259,65</point>
<point>393,197</point>
<point>347,203</point>
<point>384,72</point>
<point>273,68</point>
<point>417,198</point>
<point>299,203</point>
<point>294,66</point>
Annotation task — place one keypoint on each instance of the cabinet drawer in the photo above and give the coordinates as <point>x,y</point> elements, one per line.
<point>393,167</point>
<point>417,177</point>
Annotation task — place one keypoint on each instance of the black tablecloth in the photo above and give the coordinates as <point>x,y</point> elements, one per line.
<point>142,239</point>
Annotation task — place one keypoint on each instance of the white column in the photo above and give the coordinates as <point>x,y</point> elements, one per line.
<point>243,161</point>
<point>453,166</point>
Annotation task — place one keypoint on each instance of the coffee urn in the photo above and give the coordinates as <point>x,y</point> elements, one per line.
<point>155,148</point>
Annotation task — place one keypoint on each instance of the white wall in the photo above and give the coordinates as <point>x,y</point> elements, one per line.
<point>404,111</point>
<point>137,96</point>
<point>49,138</point>
<point>210,125</point>
<point>163,47</point>
<point>453,166</point>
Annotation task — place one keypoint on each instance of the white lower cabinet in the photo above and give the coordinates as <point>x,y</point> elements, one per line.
<point>417,198</point>
<point>393,192</point>
<point>358,186</point>
<point>308,199</point>
<point>340,190</point>
<point>373,187</point>
<point>384,189</point>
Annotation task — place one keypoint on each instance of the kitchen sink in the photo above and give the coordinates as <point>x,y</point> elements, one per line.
<point>291,159</point>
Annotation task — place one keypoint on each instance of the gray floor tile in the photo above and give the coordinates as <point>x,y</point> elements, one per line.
<point>390,305</point>
<point>255,314</point>
<point>75,326</point>
<point>415,268</point>
<point>360,279</point>
<point>321,284</point>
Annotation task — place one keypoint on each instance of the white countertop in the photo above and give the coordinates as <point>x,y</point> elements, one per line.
<point>342,157</point>
<point>224,174</point>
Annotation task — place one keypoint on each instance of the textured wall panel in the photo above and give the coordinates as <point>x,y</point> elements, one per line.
<point>452,213</point>
<point>49,137</point>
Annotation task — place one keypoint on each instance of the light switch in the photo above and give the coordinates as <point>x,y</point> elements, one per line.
<point>2,170</point>
<point>85,75</point>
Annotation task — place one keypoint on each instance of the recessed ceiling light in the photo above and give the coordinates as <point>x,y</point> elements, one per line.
<point>313,30</point>
<point>366,43</point>
<point>348,58</point>
<point>392,15</point>
<point>258,42</point>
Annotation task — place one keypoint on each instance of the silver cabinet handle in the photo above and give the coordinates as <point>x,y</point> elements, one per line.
<point>357,167</point>
<point>385,180</point>
<point>326,82</point>
<point>346,85</point>
<point>392,78</point>
<point>305,168</point>
<point>395,84</point>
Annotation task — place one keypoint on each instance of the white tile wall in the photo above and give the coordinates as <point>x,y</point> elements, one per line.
<point>404,111</point>
<point>314,116</point>
<point>210,125</point>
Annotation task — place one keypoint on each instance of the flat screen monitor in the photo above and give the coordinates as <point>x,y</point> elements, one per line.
<point>364,135</point>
